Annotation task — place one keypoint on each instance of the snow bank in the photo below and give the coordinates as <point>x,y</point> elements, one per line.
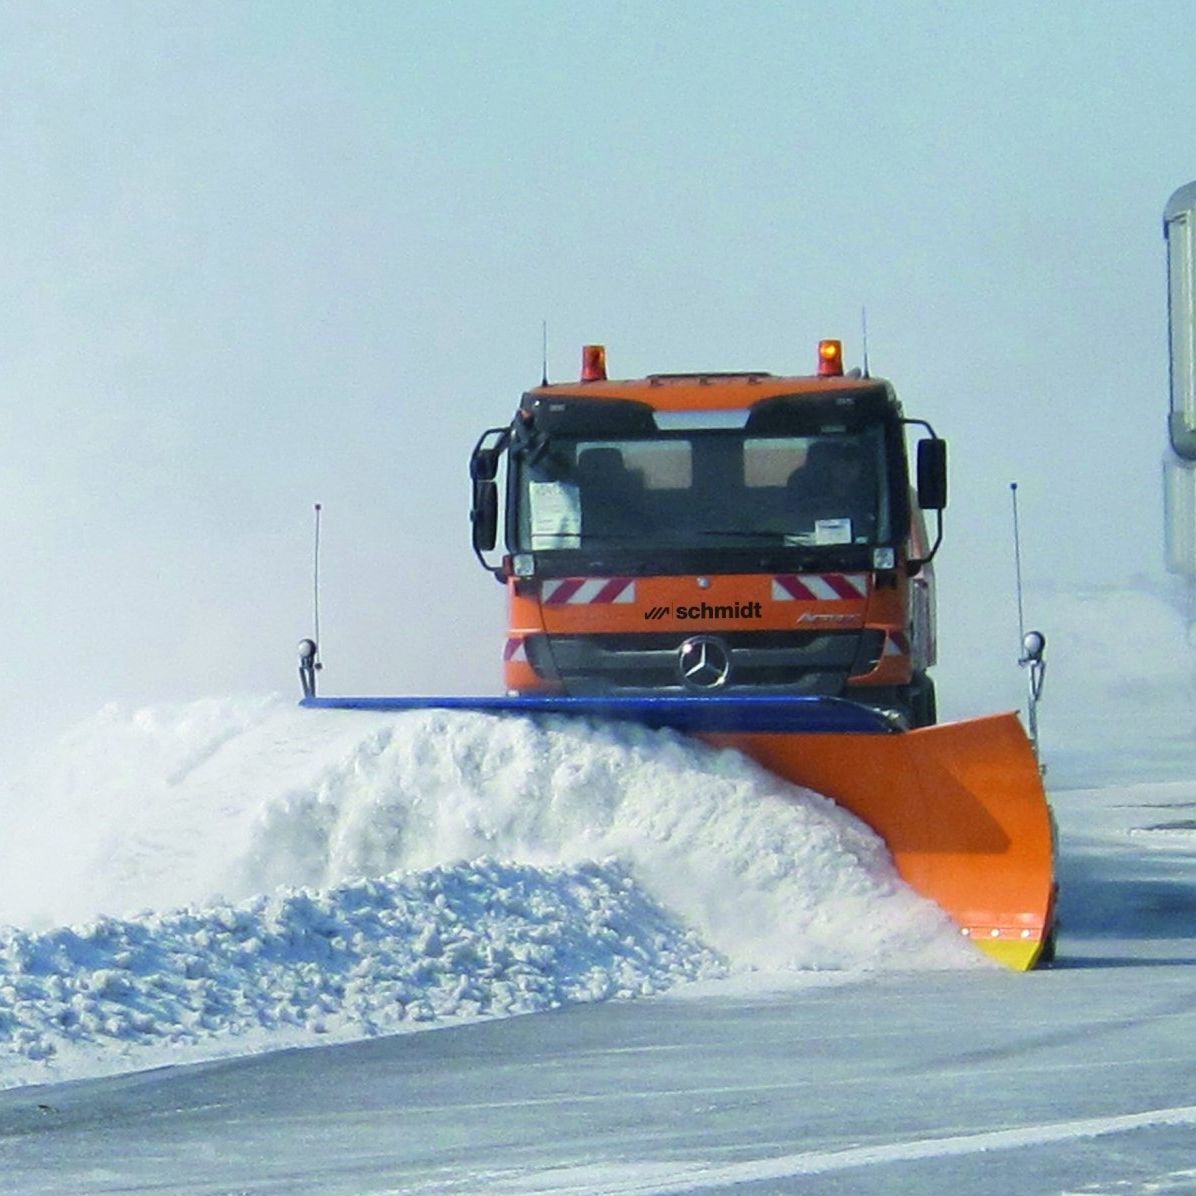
<point>318,863</point>
<point>364,958</point>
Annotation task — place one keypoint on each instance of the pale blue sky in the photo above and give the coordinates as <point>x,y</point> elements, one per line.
<point>254,256</point>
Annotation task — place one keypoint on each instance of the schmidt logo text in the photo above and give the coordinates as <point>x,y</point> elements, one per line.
<point>708,610</point>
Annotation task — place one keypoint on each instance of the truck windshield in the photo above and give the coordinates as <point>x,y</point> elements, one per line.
<point>694,490</point>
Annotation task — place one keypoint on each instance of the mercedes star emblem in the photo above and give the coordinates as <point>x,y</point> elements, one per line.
<point>704,662</point>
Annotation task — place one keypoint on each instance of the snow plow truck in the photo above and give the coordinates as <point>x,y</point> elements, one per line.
<point>744,557</point>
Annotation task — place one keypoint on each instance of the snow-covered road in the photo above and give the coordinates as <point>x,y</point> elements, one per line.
<point>1081,1079</point>
<point>313,889</point>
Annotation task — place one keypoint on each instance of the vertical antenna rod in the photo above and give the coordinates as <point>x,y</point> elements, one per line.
<point>309,650</point>
<point>544,353</point>
<point>1033,643</point>
<point>864,331</point>
<point>1017,561</point>
<point>315,584</point>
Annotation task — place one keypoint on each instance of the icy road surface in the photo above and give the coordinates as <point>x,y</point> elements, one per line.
<point>392,876</point>
<point>1077,1080</point>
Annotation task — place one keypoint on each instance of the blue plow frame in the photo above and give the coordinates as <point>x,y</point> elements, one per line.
<point>750,714</point>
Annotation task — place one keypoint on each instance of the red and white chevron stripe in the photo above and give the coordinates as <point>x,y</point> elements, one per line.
<point>583,591</point>
<point>819,587</point>
<point>515,650</point>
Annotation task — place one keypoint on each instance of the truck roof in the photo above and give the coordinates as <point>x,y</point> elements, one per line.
<point>708,392</point>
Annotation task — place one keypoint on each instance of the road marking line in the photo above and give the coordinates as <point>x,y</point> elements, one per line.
<point>648,1178</point>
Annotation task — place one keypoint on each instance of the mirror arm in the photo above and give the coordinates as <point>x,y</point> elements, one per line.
<point>915,564</point>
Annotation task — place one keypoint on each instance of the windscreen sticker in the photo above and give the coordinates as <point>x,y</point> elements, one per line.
<point>832,531</point>
<point>555,514</point>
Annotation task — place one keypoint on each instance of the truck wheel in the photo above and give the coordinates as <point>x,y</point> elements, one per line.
<point>923,702</point>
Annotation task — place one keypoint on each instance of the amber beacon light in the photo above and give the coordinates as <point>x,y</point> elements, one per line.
<point>830,359</point>
<point>593,363</point>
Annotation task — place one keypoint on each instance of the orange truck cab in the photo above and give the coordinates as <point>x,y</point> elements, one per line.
<point>718,533</point>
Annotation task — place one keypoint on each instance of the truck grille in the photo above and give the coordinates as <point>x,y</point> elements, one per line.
<point>761,662</point>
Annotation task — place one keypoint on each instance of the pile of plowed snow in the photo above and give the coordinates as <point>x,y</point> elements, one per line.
<point>363,958</point>
<point>321,874</point>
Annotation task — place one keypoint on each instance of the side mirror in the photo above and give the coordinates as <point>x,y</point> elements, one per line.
<point>932,474</point>
<point>483,465</point>
<point>483,472</point>
<point>484,516</point>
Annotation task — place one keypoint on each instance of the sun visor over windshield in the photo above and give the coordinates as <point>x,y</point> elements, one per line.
<point>803,414</point>
<point>562,415</point>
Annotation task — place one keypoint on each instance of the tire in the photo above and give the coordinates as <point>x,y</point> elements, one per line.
<point>922,700</point>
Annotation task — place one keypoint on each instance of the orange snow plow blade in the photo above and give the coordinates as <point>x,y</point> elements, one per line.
<point>960,806</point>
<point>962,809</point>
